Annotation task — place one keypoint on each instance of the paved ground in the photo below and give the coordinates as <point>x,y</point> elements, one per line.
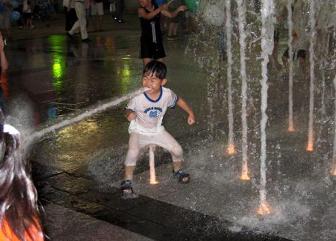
<point>77,169</point>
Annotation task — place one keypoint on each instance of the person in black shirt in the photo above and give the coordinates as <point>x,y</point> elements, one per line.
<point>151,47</point>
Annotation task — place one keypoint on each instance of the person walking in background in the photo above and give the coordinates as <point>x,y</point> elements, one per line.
<point>19,214</point>
<point>5,12</point>
<point>97,12</point>
<point>81,22</point>
<point>151,46</point>
<point>175,21</point>
<point>70,14</point>
<point>27,14</point>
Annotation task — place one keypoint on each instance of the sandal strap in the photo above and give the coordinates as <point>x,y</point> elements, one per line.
<point>126,184</point>
<point>181,173</point>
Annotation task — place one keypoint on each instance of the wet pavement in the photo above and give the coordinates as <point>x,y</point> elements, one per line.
<point>77,169</point>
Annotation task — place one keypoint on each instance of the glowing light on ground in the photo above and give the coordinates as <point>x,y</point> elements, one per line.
<point>231,149</point>
<point>244,176</point>
<point>264,209</point>
<point>291,129</point>
<point>154,181</point>
<point>310,145</point>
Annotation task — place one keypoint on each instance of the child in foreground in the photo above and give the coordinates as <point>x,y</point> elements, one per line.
<point>19,212</point>
<point>145,113</point>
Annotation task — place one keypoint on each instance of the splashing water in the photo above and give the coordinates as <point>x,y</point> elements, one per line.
<point>290,71</point>
<point>242,43</point>
<point>152,177</point>
<point>333,167</point>
<point>228,27</point>
<point>87,113</point>
<point>267,31</point>
<point>312,21</point>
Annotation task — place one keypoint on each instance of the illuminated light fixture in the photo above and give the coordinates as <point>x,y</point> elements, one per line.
<point>264,208</point>
<point>231,150</point>
<point>310,147</point>
<point>244,176</point>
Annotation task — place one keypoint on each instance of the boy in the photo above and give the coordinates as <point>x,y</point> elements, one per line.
<point>145,113</point>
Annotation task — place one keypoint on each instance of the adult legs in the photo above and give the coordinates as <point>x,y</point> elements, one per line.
<point>119,10</point>
<point>81,22</point>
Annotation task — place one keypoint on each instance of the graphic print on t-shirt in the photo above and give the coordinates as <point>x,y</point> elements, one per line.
<point>153,112</point>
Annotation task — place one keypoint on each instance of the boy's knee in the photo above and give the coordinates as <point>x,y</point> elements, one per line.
<point>131,157</point>
<point>177,150</point>
<point>130,163</point>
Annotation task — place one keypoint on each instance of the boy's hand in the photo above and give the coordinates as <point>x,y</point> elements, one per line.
<point>182,8</point>
<point>191,119</point>
<point>130,115</point>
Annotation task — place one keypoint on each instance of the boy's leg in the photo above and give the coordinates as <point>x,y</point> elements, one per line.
<point>132,155</point>
<point>168,142</point>
<point>177,165</point>
<point>129,170</point>
<point>134,146</point>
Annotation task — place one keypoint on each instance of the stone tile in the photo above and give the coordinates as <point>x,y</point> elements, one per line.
<point>79,227</point>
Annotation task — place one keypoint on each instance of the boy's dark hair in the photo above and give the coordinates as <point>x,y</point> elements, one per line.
<point>156,68</point>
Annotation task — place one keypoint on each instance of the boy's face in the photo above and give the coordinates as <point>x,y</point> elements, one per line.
<point>152,83</point>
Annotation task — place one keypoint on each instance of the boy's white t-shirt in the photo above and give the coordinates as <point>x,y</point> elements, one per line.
<point>150,112</point>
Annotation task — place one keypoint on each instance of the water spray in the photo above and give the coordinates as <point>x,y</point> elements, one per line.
<point>152,175</point>
<point>228,27</point>
<point>267,32</point>
<point>242,43</point>
<point>85,114</point>
<point>312,21</point>
<point>290,71</point>
<point>333,167</point>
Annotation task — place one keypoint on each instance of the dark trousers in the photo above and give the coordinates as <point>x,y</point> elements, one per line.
<point>70,18</point>
<point>119,9</point>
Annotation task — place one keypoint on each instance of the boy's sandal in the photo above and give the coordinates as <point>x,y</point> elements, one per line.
<point>127,190</point>
<point>182,176</point>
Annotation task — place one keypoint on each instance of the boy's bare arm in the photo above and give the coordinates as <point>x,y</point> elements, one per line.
<point>184,106</point>
<point>130,115</point>
<point>142,13</point>
<point>173,14</point>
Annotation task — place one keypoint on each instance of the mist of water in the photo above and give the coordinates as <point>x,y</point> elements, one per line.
<point>312,22</point>
<point>267,32</point>
<point>333,167</point>
<point>242,43</point>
